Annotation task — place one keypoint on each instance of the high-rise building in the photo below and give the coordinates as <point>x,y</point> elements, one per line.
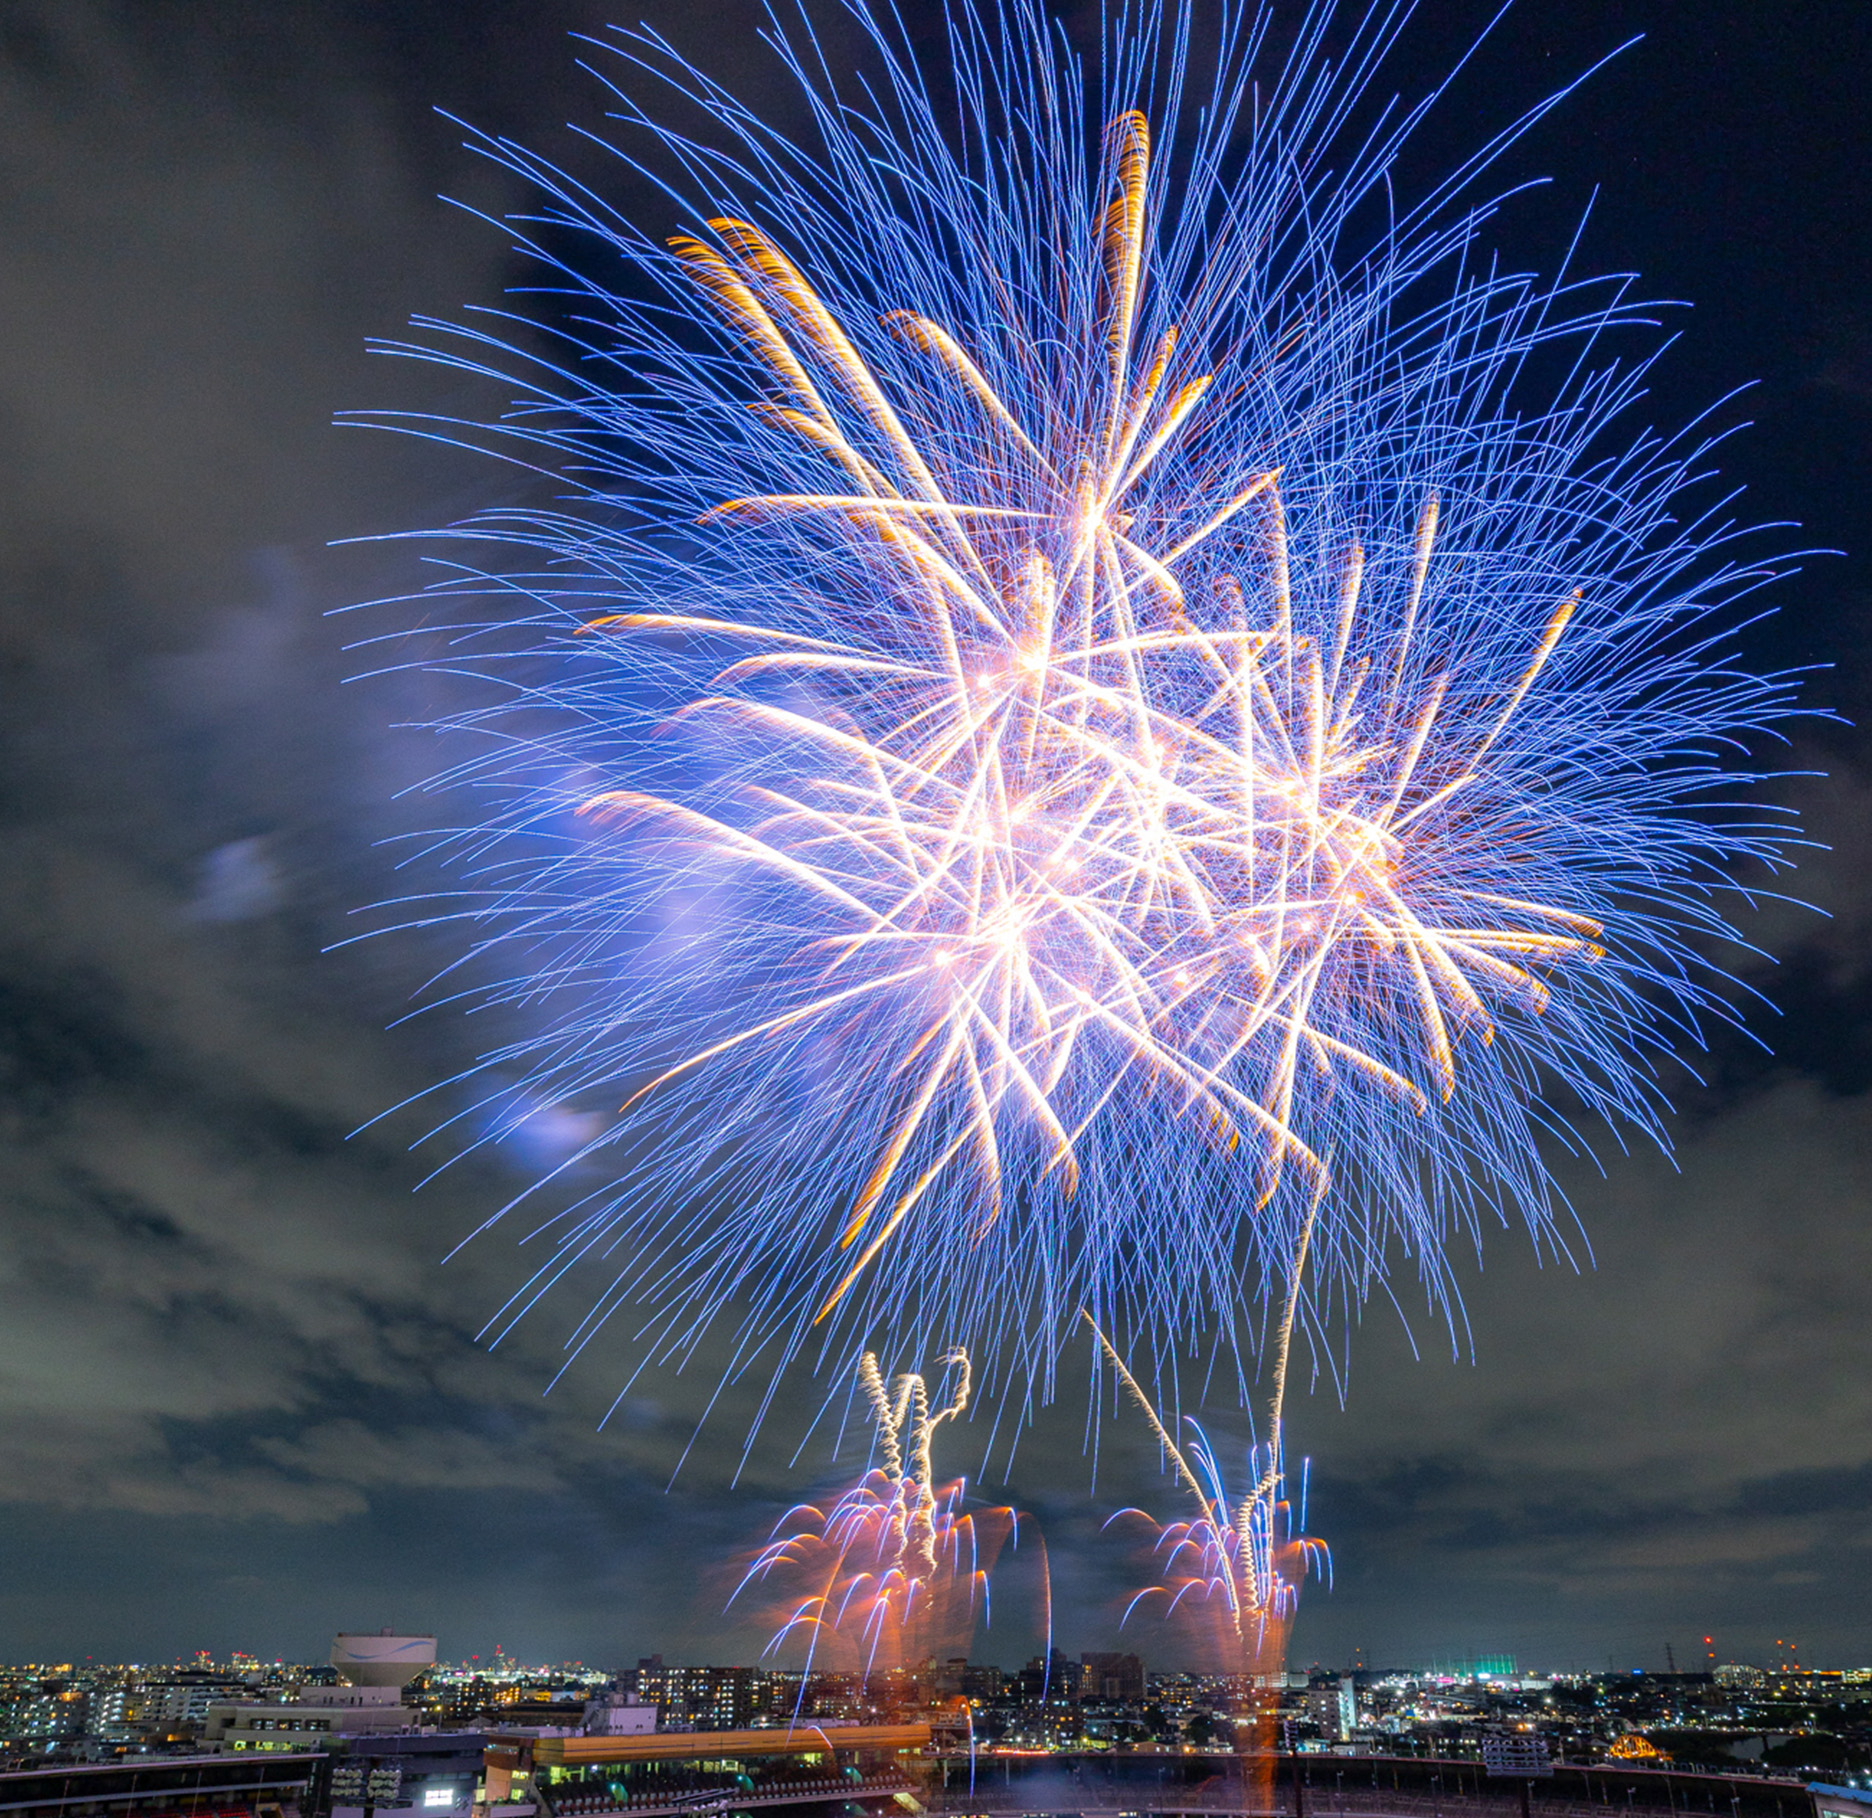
<point>982,1682</point>
<point>705,1698</point>
<point>1114,1677</point>
<point>1053,1677</point>
<point>182,1703</point>
<point>1333,1706</point>
<point>47,1711</point>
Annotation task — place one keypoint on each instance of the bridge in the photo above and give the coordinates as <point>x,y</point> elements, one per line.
<point>1346,1786</point>
<point>901,1771</point>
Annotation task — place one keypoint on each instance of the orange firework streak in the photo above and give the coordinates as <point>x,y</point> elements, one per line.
<point>897,1570</point>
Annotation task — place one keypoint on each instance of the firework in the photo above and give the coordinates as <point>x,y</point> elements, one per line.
<point>897,1568</point>
<point>1234,1569</point>
<point>1075,735</point>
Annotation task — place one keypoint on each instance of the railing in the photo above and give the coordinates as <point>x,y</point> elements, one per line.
<point>706,1802</point>
<point>1234,1802</point>
<point>1059,1795</point>
<point>1066,1792</point>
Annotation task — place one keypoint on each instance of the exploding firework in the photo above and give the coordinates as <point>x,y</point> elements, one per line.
<point>1078,735</point>
<point>897,1568</point>
<point>1235,1567</point>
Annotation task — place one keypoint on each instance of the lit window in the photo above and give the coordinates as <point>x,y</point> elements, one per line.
<point>439,1795</point>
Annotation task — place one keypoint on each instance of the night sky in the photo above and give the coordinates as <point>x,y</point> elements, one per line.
<point>241,1404</point>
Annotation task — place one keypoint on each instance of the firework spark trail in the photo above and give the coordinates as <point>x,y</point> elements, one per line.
<point>897,1568</point>
<point>1056,705</point>
<point>1236,1567</point>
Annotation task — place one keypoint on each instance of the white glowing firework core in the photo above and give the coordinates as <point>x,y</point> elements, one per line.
<point>1075,814</point>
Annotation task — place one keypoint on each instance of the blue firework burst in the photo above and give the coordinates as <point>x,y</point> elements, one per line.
<point>1092,709</point>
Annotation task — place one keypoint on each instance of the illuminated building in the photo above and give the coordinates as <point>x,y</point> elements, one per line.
<point>427,1776</point>
<point>186,1787</point>
<point>852,1767</point>
<point>1334,1708</point>
<point>708,1698</point>
<point>1111,1676</point>
<point>374,1670</point>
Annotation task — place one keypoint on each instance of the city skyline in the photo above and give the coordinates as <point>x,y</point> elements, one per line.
<point>1702,1664</point>
<point>383,1727</point>
<point>1735,1722</point>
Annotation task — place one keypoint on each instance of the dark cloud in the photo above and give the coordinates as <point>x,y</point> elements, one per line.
<point>240,1401</point>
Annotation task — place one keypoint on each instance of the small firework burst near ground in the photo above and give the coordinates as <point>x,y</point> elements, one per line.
<point>1233,1569</point>
<point>894,1573</point>
<point>1091,697</point>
